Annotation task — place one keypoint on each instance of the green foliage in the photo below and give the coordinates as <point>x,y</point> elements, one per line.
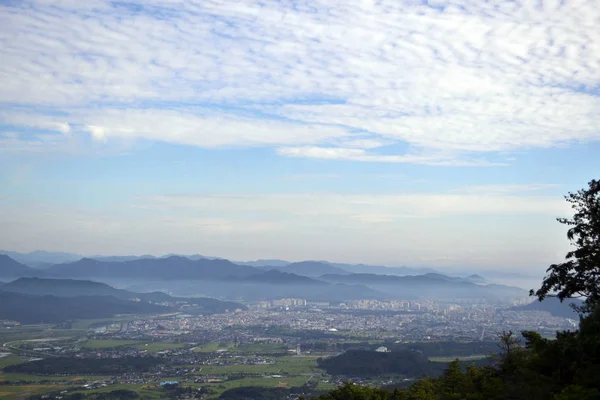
<point>254,393</point>
<point>579,275</point>
<point>354,392</point>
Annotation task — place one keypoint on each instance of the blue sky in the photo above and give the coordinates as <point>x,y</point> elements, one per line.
<point>440,133</point>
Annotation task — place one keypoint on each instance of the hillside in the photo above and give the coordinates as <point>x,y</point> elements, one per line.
<point>10,268</point>
<point>75,288</point>
<point>29,309</point>
<point>367,363</point>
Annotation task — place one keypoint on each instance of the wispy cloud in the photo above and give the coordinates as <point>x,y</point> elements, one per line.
<point>457,80</point>
<point>499,189</point>
<point>379,208</point>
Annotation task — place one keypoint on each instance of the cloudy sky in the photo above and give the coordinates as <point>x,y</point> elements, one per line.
<point>439,133</point>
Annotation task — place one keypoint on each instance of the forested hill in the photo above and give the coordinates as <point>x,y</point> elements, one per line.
<point>74,287</point>
<point>29,309</point>
<point>366,363</point>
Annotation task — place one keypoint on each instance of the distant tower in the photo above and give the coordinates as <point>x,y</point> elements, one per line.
<point>298,350</point>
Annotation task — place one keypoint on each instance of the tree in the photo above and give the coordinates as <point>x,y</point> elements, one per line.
<point>579,275</point>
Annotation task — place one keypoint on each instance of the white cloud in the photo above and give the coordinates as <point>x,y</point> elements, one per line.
<point>340,153</point>
<point>364,207</point>
<point>97,132</point>
<point>516,189</point>
<point>465,77</point>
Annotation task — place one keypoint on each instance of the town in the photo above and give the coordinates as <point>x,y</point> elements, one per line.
<point>277,343</point>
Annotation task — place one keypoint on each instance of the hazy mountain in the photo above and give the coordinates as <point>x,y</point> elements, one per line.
<point>382,270</point>
<point>431,285</point>
<point>174,267</point>
<point>76,288</point>
<point>393,279</point>
<point>41,259</point>
<point>318,268</point>
<point>121,258</point>
<point>554,306</point>
<point>475,278</point>
<point>10,269</point>
<point>279,277</point>
<point>311,269</point>
<point>30,309</point>
<point>260,288</point>
<point>264,263</point>
<point>192,256</point>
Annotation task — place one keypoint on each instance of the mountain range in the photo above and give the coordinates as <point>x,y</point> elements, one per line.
<point>43,259</point>
<point>223,279</point>
<point>430,285</point>
<point>173,267</point>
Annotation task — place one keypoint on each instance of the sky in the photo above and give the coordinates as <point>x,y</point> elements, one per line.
<point>420,133</point>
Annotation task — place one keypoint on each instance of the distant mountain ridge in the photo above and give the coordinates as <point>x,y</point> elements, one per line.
<point>39,258</point>
<point>10,268</point>
<point>174,267</point>
<point>43,259</point>
<point>432,285</point>
<point>226,280</point>
<point>278,277</point>
<point>312,269</point>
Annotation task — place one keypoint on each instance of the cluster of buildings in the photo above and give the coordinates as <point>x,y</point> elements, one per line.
<point>404,320</point>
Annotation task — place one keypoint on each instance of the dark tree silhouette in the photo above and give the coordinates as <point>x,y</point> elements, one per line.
<point>579,275</point>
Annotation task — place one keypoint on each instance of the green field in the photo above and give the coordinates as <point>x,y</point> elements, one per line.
<point>286,382</point>
<point>295,371</point>
<point>16,392</point>
<point>251,348</point>
<point>108,344</point>
<point>212,347</point>
<point>260,348</point>
<point>35,332</point>
<point>282,365</point>
<point>50,378</point>
<point>154,347</point>
<point>150,347</point>
<point>11,360</point>
<point>447,359</point>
